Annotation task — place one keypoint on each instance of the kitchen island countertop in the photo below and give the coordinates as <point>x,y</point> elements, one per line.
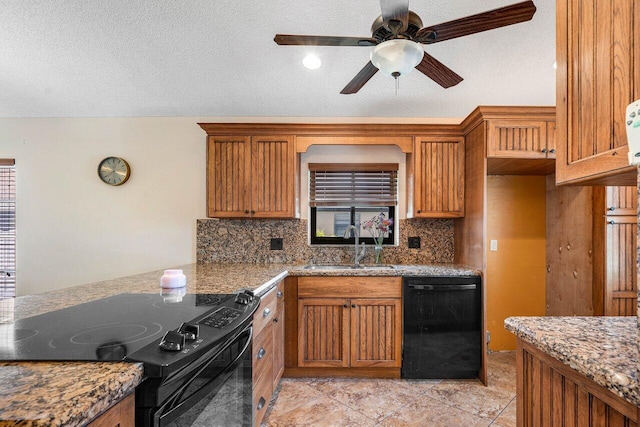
<point>603,349</point>
<point>73,393</point>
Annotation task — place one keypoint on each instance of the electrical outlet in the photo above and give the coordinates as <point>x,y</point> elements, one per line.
<point>414,243</point>
<point>493,245</point>
<point>276,244</point>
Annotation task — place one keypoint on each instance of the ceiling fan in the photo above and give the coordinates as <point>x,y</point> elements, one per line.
<point>396,36</point>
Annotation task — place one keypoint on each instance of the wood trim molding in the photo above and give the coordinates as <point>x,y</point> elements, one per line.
<point>308,134</point>
<point>484,112</point>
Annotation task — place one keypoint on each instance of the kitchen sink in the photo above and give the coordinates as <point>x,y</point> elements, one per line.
<point>347,267</point>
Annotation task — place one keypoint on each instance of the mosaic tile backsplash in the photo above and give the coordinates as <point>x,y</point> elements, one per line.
<point>248,241</point>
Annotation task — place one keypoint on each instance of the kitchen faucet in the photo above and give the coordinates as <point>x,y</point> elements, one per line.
<point>358,255</point>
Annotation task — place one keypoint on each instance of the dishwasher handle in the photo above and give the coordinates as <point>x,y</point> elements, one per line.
<point>466,287</point>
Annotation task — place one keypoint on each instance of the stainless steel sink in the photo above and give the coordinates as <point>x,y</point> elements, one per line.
<point>348,267</point>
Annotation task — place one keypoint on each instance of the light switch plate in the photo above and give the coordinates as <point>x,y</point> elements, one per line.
<point>493,245</point>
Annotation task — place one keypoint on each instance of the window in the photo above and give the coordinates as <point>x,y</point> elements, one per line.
<point>344,194</point>
<point>7,229</point>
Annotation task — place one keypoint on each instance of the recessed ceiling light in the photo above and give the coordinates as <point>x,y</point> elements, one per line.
<point>311,61</point>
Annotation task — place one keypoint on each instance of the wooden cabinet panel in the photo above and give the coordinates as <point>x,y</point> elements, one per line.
<point>268,350</point>
<point>518,138</point>
<point>273,169</point>
<point>278,336</point>
<point>323,332</point>
<point>597,76</point>
<point>122,414</point>
<point>615,249</point>
<point>551,393</point>
<point>250,176</point>
<point>347,330</point>
<point>439,177</point>
<point>621,297</point>
<point>228,176</point>
<point>376,333</point>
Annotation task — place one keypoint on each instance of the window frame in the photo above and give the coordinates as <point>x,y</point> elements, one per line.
<point>337,240</point>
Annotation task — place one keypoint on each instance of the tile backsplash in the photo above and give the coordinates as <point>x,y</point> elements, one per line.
<point>248,241</point>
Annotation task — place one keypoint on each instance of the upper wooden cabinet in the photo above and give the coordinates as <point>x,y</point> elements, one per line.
<point>517,140</point>
<point>598,75</point>
<point>439,177</point>
<point>521,138</point>
<point>250,176</point>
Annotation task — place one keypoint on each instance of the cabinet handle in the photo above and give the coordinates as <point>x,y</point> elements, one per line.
<point>544,150</point>
<point>261,353</point>
<point>246,211</point>
<point>353,306</point>
<point>261,403</point>
<point>279,294</point>
<point>345,305</point>
<point>612,222</point>
<point>266,312</point>
<point>275,320</point>
<point>252,212</point>
<point>419,211</point>
<point>553,150</point>
<point>612,208</point>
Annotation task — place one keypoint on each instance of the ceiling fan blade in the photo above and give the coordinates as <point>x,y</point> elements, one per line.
<point>501,17</point>
<point>360,79</point>
<point>397,10</point>
<point>438,72</point>
<point>292,39</point>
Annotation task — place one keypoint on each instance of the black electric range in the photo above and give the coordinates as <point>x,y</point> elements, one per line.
<point>119,327</point>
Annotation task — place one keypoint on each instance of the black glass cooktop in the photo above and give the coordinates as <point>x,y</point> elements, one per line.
<point>105,329</point>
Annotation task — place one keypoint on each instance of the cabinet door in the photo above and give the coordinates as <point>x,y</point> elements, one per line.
<point>522,139</point>
<point>323,331</point>
<point>228,176</point>
<point>439,177</point>
<point>597,75</point>
<point>621,201</point>
<point>620,293</point>
<point>273,175</point>
<point>376,333</point>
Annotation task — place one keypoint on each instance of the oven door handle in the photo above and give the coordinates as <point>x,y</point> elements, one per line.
<point>161,415</point>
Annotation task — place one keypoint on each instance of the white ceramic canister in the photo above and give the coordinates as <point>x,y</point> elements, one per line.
<point>173,279</point>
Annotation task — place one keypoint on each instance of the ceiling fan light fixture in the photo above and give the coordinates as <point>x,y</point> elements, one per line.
<point>311,62</point>
<point>396,57</point>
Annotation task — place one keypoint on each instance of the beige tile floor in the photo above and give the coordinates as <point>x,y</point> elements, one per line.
<point>376,402</point>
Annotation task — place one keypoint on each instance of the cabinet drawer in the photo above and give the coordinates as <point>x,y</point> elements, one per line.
<point>348,287</point>
<point>262,392</point>
<point>262,351</point>
<point>266,312</point>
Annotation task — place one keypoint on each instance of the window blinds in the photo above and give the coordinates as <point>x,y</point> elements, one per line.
<point>347,184</point>
<point>7,229</point>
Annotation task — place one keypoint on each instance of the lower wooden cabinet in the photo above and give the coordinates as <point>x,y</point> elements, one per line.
<point>268,349</point>
<point>350,326</point>
<point>549,393</point>
<point>122,414</point>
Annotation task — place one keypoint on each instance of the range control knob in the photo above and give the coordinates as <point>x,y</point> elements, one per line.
<point>244,298</point>
<point>189,330</point>
<point>172,341</point>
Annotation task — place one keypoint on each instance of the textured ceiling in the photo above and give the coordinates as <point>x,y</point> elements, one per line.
<point>217,58</point>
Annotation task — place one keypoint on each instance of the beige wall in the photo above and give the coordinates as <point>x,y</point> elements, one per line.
<point>74,229</point>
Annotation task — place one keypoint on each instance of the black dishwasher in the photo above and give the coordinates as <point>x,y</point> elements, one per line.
<point>442,321</point>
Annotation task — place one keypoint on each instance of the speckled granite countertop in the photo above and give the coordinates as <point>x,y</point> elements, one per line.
<point>603,349</point>
<point>73,393</point>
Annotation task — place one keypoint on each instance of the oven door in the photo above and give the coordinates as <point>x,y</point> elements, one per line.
<point>213,391</point>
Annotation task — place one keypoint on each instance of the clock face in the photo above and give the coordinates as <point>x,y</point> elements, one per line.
<point>114,171</point>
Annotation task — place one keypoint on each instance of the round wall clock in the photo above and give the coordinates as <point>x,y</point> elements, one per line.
<point>114,170</point>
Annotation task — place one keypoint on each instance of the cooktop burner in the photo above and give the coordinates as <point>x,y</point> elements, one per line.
<point>106,329</point>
